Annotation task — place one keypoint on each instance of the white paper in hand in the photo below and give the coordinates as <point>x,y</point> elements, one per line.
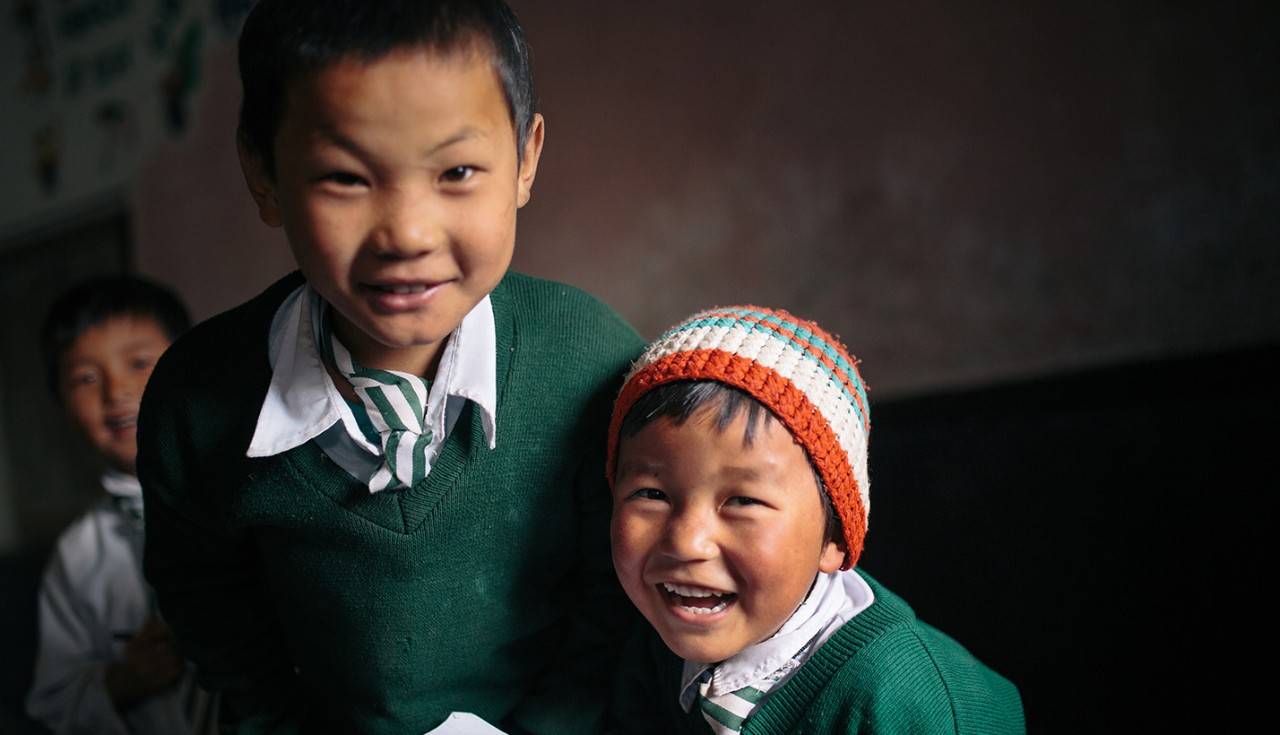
<point>465,723</point>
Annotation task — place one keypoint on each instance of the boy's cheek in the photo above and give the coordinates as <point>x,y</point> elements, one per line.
<point>629,552</point>
<point>83,418</point>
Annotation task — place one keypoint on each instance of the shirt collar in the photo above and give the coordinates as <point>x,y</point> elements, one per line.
<point>833,599</point>
<point>469,370</point>
<point>302,401</point>
<point>121,485</point>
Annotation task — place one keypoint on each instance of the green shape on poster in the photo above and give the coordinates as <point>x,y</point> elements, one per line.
<point>112,63</point>
<point>83,18</point>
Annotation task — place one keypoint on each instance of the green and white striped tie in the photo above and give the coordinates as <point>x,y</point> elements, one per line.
<point>726,713</point>
<point>397,404</point>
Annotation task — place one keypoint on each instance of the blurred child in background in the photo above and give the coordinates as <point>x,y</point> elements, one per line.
<point>106,663</point>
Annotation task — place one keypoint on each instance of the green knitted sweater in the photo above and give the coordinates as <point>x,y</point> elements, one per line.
<point>884,671</point>
<point>314,605</point>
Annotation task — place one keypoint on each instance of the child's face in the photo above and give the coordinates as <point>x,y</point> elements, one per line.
<point>100,380</point>
<point>716,542</point>
<point>397,183</point>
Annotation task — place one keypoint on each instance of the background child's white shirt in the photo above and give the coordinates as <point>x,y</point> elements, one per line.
<point>302,402</point>
<point>834,599</point>
<point>92,600</point>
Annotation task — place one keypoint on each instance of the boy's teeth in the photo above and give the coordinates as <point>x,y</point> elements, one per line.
<point>685,591</point>
<point>707,610</point>
<point>698,600</point>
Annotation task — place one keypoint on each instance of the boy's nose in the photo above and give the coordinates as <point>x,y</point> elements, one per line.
<point>117,389</point>
<point>690,537</point>
<point>410,228</point>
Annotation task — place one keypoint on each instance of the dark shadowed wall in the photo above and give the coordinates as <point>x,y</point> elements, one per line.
<point>964,193</point>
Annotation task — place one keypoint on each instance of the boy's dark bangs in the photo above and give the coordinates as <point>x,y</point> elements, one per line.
<point>100,299</point>
<point>284,41</point>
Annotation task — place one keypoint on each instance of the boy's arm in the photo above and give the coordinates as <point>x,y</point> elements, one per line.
<point>574,692</point>
<point>206,575</point>
<point>210,596</point>
<point>572,695</point>
<point>68,692</point>
<point>916,679</point>
<point>646,689</point>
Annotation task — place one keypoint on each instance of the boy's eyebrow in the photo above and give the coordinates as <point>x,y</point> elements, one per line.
<point>464,134</point>
<point>639,467</point>
<point>740,474</point>
<point>137,344</point>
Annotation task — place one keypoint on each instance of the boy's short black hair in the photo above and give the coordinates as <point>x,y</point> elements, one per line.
<point>679,400</point>
<point>96,300</point>
<point>286,40</point>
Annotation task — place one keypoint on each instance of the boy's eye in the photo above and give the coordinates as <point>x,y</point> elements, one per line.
<point>743,501</point>
<point>343,178</point>
<point>457,174</point>
<point>649,493</point>
<point>142,363</point>
<point>83,377</point>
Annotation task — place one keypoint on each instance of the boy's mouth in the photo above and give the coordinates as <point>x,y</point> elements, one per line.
<point>400,288</point>
<point>120,424</point>
<point>398,296</point>
<point>696,600</point>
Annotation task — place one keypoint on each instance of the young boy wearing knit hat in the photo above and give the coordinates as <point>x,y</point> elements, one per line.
<point>738,460</point>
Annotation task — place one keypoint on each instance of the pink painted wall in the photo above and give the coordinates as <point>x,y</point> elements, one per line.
<point>963,195</point>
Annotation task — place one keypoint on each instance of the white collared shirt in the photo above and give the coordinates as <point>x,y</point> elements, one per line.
<point>834,600</point>
<point>302,402</point>
<point>93,600</point>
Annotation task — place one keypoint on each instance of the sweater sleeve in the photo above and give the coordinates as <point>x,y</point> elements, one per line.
<point>646,690</point>
<point>983,701</point>
<point>206,575</point>
<point>571,696</point>
<point>915,679</point>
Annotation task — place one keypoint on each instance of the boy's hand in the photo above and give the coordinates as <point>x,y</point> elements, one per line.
<point>150,663</point>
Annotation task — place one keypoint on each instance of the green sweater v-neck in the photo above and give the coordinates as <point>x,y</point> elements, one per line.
<point>312,604</point>
<point>884,671</point>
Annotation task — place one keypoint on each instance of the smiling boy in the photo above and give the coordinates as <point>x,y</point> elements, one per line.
<point>738,458</point>
<point>106,663</point>
<point>373,488</point>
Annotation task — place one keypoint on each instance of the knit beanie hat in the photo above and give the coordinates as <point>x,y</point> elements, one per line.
<point>795,369</point>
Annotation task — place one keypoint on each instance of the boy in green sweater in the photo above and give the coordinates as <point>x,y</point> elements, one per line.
<point>738,458</point>
<point>374,491</point>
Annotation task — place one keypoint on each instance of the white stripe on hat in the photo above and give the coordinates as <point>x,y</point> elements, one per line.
<point>773,351</point>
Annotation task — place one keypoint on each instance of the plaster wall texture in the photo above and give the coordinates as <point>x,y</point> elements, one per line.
<point>965,195</point>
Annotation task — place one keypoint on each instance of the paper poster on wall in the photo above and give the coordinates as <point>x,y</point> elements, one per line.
<point>90,87</point>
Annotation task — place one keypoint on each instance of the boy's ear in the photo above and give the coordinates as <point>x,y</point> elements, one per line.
<point>529,159</point>
<point>261,185</point>
<point>832,557</point>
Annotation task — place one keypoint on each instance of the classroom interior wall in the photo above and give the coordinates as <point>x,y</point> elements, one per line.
<point>965,195</point>
<point>973,196</point>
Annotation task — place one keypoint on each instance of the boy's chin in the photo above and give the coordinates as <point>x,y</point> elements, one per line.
<point>700,649</point>
<point>117,459</point>
<point>118,464</point>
